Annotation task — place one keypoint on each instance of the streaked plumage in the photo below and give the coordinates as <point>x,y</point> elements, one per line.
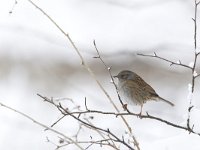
<point>135,90</point>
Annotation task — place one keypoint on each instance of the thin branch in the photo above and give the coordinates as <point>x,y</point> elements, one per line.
<point>197,3</point>
<point>195,24</point>
<point>197,76</point>
<point>13,7</point>
<point>57,121</point>
<point>166,60</point>
<point>95,127</point>
<point>93,142</point>
<point>103,136</point>
<point>195,44</point>
<point>194,66</point>
<point>84,64</point>
<point>42,125</point>
<point>147,116</point>
<point>117,91</point>
<point>66,112</point>
<point>110,74</point>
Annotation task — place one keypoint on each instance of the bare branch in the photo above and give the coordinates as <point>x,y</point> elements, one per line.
<point>84,64</point>
<point>57,121</point>
<point>193,68</point>
<point>147,116</point>
<point>13,7</point>
<point>115,85</point>
<point>164,59</point>
<point>42,125</point>
<point>197,76</point>
<point>109,71</point>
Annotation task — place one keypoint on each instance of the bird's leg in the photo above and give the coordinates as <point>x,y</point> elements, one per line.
<point>140,114</point>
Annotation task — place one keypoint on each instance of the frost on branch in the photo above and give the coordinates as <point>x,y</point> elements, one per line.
<point>191,64</point>
<point>178,62</point>
<point>190,94</point>
<point>111,81</point>
<point>195,73</point>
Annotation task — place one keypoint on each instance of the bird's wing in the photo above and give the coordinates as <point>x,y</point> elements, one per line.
<point>146,87</point>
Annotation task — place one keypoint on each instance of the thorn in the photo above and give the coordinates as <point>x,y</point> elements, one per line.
<point>86,104</point>
<point>79,115</point>
<point>94,43</point>
<point>192,126</point>
<point>91,117</point>
<point>122,138</point>
<point>193,19</point>
<point>189,109</point>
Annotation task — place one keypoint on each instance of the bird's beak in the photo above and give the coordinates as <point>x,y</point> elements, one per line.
<point>115,76</point>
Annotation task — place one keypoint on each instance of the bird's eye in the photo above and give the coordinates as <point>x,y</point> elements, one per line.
<point>123,76</point>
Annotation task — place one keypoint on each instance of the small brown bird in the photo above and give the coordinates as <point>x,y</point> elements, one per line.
<point>135,90</point>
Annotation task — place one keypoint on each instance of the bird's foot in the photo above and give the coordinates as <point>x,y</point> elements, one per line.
<point>125,107</point>
<point>140,115</point>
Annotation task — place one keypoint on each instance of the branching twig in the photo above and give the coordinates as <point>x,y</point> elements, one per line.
<point>42,125</point>
<point>86,123</point>
<point>192,68</point>
<point>77,115</point>
<point>64,111</point>
<point>147,116</point>
<point>115,85</point>
<point>110,74</point>
<point>166,60</point>
<point>85,65</point>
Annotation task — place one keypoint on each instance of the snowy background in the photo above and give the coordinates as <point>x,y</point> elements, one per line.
<point>36,58</point>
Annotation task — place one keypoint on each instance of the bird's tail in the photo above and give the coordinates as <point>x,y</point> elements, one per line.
<point>168,102</point>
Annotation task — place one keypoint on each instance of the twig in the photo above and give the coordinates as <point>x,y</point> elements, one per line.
<point>66,112</point>
<point>100,129</point>
<point>166,60</point>
<point>147,116</point>
<point>113,145</point>
<point>110,74</point>
<point>83,63</point>
<point>57,121</point>
<point>192,68</point>
<point>62,110</point>
<point>13,7</point>
<point>112,80</point>
<point>42,125</point>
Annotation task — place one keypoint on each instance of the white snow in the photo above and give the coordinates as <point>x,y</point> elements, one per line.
<point>118,27</point>
<point>195,73</point>
<point>191,64</point>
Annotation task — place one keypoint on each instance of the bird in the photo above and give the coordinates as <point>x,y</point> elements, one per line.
<point>135,90</point>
